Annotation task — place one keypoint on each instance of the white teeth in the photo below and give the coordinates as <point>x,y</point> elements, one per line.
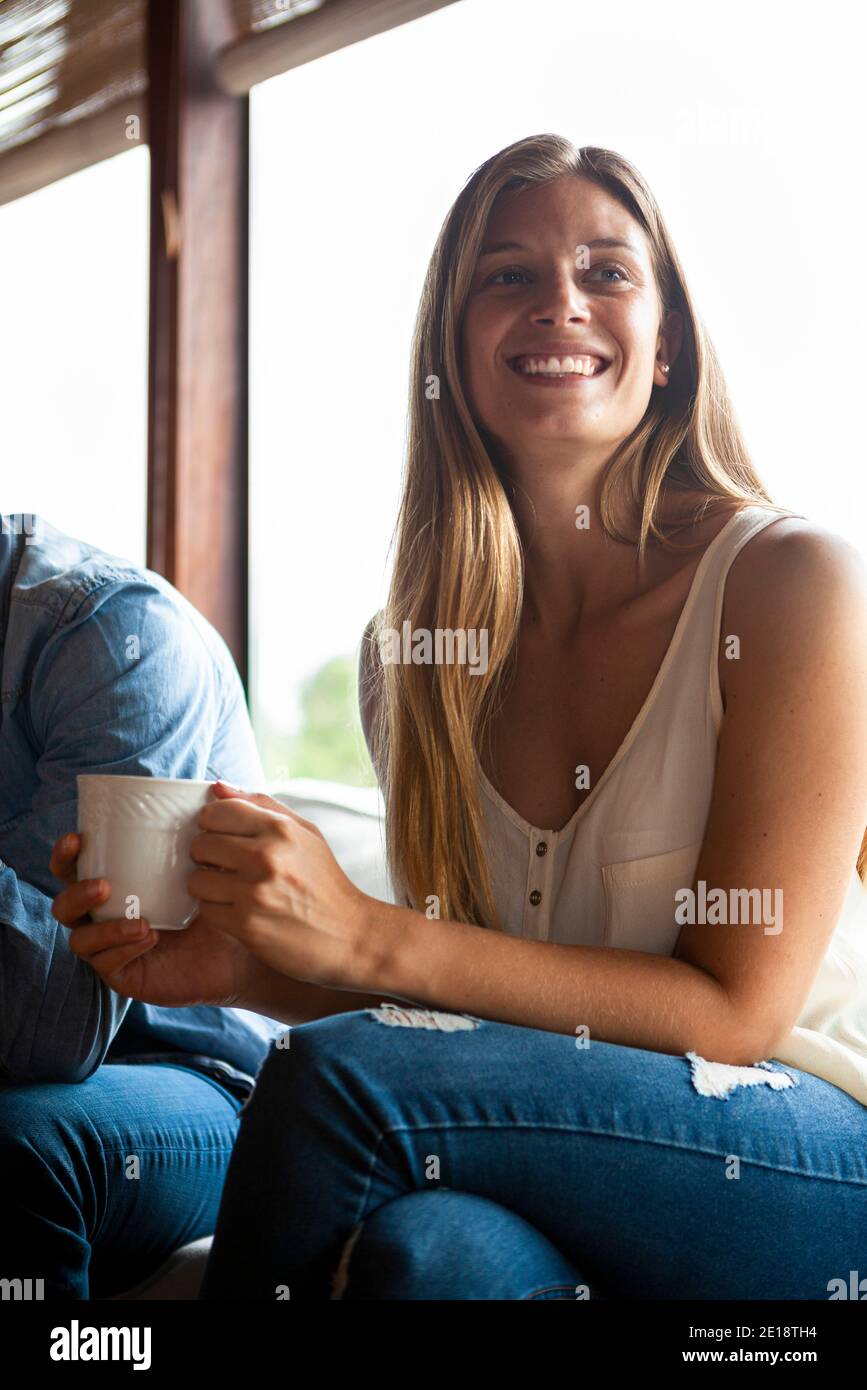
<point>560,366</point>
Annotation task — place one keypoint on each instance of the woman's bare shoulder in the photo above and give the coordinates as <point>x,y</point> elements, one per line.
<point>797,593</point>
<point>792,560</point>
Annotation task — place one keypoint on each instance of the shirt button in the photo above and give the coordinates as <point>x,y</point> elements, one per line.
<point>535,897</point>
<point>541,848</point>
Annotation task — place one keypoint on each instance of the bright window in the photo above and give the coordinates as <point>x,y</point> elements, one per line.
<point>73,354</point>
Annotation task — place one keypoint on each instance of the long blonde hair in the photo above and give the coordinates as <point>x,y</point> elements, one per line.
<point>458,560</point>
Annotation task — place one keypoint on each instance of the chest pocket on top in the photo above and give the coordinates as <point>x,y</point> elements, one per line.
<point>640,903</point>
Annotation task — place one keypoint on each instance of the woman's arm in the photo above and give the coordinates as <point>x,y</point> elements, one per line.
<point>788,812</point>
<point>294,1001</point>
<point>628,997</point>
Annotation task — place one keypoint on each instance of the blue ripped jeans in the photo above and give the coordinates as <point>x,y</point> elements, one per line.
<point>378,1161</point>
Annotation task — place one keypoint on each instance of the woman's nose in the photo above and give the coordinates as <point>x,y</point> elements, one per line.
<point>561,298</point>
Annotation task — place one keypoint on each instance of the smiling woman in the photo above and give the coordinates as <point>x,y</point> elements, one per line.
<point>651,443</point>
<point>652,714</point>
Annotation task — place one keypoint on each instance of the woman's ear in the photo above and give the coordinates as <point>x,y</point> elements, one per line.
<point>671,334</point>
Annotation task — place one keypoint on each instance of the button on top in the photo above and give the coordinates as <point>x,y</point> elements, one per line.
<point>541,848</point>
<point>535,897</point>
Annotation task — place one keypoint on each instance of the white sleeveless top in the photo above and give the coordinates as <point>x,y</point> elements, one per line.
<point>608,878</point>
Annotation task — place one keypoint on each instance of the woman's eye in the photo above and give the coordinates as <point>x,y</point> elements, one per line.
<point>501,277</point>
<point>611,269</point>
<point>509,270</point>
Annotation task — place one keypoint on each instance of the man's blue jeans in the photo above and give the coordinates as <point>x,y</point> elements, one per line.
<point>380,1160</point>
<point>104,1179</point>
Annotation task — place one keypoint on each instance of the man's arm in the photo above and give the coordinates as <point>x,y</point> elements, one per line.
<point>125,686</point>
<point>57,1018</point>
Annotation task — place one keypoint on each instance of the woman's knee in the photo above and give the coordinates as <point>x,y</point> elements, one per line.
<point>443,1244</point>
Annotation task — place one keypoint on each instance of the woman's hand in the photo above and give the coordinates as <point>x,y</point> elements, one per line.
<point>278,890</point>
<point>174,968</point>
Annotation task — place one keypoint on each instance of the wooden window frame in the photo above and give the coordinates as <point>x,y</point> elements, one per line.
<point>197,502</point>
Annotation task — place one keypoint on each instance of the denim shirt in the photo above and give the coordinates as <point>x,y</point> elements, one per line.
<point>104,668</point>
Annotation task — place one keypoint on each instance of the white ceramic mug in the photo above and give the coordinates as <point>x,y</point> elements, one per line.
<point>136,832</point>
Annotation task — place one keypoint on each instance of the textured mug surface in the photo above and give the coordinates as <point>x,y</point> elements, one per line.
<point>136,832</point>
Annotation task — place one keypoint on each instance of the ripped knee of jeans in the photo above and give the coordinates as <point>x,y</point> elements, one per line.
<point>398,1017</point>
<point>719,1079</point>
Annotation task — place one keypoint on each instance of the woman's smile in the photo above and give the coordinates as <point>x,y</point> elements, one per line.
<point>565,371</point>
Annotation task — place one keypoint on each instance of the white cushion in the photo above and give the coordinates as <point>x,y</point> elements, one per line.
<point>351,819</point>
<point>180,1276</point>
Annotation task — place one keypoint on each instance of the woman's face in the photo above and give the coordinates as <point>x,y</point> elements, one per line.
<point>559,292</point>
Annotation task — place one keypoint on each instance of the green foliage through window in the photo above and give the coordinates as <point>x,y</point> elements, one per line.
<point>330,743</point>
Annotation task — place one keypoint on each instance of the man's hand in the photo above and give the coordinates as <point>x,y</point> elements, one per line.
<point>198,965</point>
